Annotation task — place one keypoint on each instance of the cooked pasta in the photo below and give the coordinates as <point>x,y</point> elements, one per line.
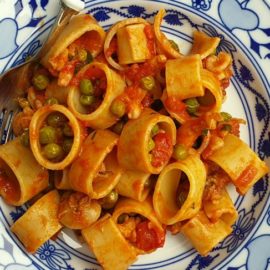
<point>133,134</point>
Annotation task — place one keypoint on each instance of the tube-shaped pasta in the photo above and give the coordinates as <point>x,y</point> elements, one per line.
<point>132,44</point>
<point>165,198</point>
<point>204,234</point>
<point>21,177</point>
<point>77,27</point>
<point>133,184</point>
<point>101,117</point>
<point>112,32</point>
<point>109,245</point>
<point>204,44</point>
<point>213,97</point>
<point>163,42</point>
<point>133,151</point>
<point>58,92</point>
<point>144,209</point>
<point>38,121</point>
<point>77,211</point>
<point>40,222</point>
<point>243,166</point>
<point>96,172</point>
<point>183,77</point>
<point>221,207</point>
<point>61,179</point>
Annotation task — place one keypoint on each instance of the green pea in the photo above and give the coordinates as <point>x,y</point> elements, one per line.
<point>226,116</point>
<point>67,145</point>
<point>118,108</point>
<point>192,105</point>
<point>148,83</point>
<point>86,100</point>
<point>24,138</point>
<point>110,200</point>
<point>56,119</point>
<point>67,130</point>
<point>122,218</point>
<point>118,127</point>
<point>51,101</point>
<point>154,130</point>
<point>53,151</point>
<point>82,55</point>
<point>40,81</point>
<point>151,144</point>
<point>86,87</point>
<point>180,152</point>
<point>47,135</point>
<point>174,45</point>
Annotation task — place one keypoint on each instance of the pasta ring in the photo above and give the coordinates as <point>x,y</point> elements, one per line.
<point>36,123</point>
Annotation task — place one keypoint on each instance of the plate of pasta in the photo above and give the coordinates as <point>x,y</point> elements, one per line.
<point>142,139</point>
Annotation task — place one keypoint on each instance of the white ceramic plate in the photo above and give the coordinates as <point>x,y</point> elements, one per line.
<point>244,29</point>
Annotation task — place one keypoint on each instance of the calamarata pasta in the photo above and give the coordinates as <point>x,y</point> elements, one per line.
<point>134,138</point>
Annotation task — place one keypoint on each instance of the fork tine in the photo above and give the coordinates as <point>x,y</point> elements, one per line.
<point>8,130</point>
<point>6,116</point>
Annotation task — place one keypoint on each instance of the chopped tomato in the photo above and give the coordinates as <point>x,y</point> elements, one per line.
<point>149,238</point>
<point>163,149</point>
<point>246,176</point>
<point>147,101</point>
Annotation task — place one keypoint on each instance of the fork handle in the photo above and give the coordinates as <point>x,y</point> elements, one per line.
<point>77,5</point>
<point>68,8</point>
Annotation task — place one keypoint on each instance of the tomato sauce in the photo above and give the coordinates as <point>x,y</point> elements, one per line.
<point>177,106</point>
<point>136,72</point>
<point>89,41</point>
<point>112,48</point>
<point>147,237</point>
<point>9,187</point>
<point>246,176</point>
<point>163,149</point>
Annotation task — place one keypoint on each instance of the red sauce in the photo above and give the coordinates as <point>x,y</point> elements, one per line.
<point>132,95</point>
<point>246,176</point>
<point>89,41</point>
<point>147,101</point>
<point>9,187</point>
<point>163,149</point>
<point>112,48</point>
<point>148,237</point>
<point>177,106</point>
<point>136,72</point>
<point>149,32</point>
<point>190,131</point>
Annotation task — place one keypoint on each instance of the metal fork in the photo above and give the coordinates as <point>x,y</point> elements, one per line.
<point>10,81</point>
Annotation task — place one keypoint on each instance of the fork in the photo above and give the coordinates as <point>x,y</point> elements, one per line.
<point>11,80</point>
